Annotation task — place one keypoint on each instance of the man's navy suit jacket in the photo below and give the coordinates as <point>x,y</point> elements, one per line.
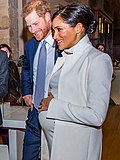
<point>27,68</point>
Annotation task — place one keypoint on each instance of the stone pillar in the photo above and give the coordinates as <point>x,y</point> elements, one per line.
<point>13,26</point>
<point>4,22</point>
<point>9,24</point>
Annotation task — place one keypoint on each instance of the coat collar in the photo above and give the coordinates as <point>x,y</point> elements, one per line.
<point>80,52</point>
<point>79,47</point>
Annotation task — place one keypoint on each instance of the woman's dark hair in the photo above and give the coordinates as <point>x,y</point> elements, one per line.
<point>100,44</point>
<point>9,49</point>
<point>77,13</point>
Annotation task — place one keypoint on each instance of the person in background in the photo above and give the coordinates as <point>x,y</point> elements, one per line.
<point>14,84</point>
<point>21,60</point>
<point>79,88</point>
<point>101,47</point>
<point>13,96</point>
<point>3,78</point>
<point>20,63</point>
<point>37,16</point>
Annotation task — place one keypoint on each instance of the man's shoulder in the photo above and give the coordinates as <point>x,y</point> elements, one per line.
<point>31,44</point>
<point>32,41</point>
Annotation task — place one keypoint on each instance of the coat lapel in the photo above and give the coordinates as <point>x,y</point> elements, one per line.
<point>59,63</point>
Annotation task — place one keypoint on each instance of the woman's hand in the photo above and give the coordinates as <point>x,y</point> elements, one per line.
<point>45,103</point>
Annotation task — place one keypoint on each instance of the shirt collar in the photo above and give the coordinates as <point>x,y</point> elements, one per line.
<point>50,40</point>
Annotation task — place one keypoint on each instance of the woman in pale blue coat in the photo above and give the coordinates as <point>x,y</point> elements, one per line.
<point>79,89</point>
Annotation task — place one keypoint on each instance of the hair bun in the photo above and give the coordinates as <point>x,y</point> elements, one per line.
<point>92,27</point>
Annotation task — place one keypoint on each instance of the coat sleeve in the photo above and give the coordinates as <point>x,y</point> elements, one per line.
<point>98,93</point>
<point>3,74</point>
<point>25,75</point>
<point>27,67</point>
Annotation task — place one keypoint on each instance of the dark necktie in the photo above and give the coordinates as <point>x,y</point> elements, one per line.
<point>40,77</point>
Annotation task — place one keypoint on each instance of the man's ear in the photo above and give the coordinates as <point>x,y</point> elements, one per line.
<point>79,28</point>
<point>47,16</point>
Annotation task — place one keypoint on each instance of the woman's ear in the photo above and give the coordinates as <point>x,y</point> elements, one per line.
<point>79,28</point>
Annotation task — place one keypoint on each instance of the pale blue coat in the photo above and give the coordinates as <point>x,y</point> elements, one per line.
<point>82,103</point>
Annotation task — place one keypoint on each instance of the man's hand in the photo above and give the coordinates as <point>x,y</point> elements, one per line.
<point>28,101</point>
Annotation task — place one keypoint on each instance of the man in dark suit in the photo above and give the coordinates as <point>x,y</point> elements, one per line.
<point>37,15</point>
<point>3,77</point>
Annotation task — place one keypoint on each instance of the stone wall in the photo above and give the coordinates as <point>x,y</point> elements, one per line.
<point>9,24</point>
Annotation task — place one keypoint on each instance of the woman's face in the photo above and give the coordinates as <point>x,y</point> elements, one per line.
<point>65,35</point>
<point>101,48</point>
